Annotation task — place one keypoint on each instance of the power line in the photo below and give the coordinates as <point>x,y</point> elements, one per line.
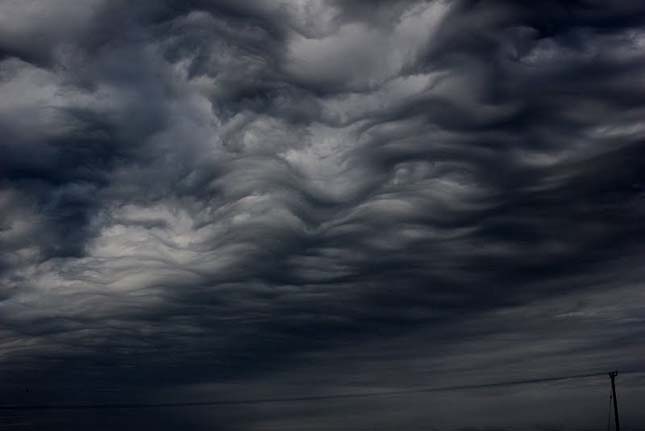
<point>300,398</point>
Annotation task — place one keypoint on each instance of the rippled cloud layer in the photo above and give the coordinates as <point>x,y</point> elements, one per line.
<point>209,197</point>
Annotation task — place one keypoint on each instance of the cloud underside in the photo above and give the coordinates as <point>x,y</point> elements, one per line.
<point>208,192</point>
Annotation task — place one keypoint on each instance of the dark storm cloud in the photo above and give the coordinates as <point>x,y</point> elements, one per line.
<point>200,193</point>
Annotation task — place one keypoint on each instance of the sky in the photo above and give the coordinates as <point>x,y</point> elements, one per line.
<point>221,200</point>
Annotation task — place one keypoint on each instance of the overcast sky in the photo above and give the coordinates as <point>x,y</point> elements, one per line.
<point>244,199</point>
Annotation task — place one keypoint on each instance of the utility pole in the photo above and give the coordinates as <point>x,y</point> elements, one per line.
<point>612,376</point>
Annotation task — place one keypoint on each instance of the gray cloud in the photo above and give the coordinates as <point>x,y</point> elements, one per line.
<point>203,198</point>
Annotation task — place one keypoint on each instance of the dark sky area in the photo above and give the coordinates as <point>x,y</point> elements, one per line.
<point>259,199</point>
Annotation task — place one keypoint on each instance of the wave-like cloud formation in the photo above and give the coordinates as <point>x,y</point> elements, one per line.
<point>214,190</point>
